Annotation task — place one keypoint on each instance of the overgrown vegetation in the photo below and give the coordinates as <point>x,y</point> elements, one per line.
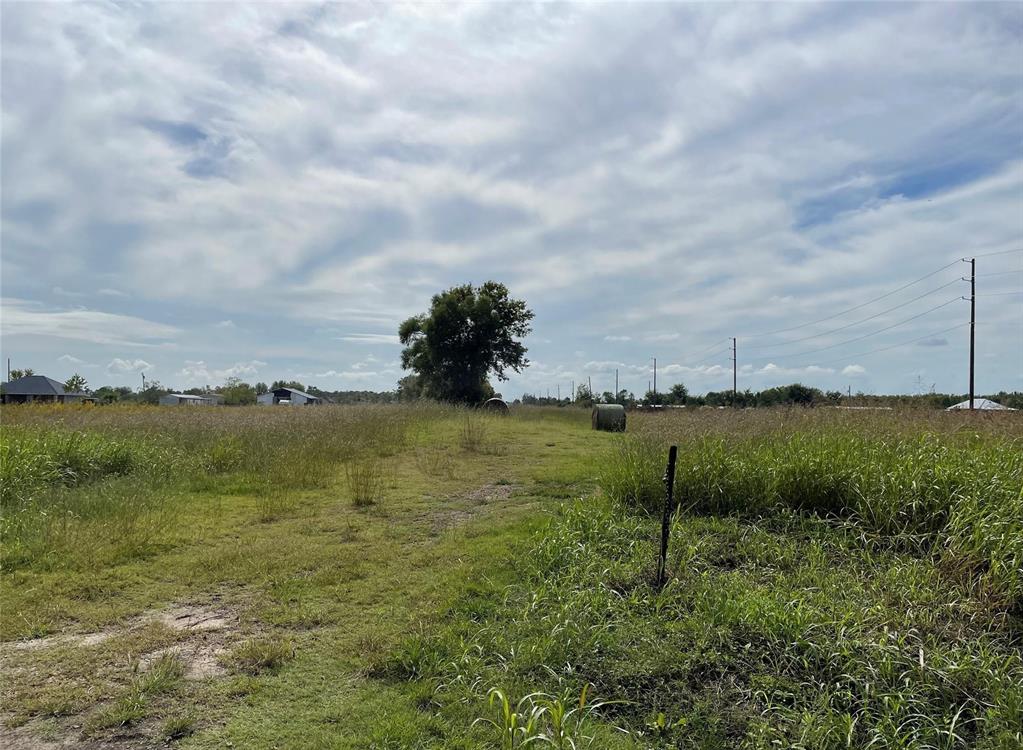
<point>837,579</point>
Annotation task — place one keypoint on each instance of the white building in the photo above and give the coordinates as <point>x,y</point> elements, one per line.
<point>185,399</point>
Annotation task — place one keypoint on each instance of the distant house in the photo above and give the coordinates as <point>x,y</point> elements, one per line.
<point>36,389</point>
<point>288,396</point>
<point>185,399</point>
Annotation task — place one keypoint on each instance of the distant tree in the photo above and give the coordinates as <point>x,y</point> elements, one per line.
<point>583,397</point>
<point>262,388</point>
<point>152,392</point>
<point>293,384</point>
<point>237,393</point>
<point>409,388</point>
<point>76,384</point>
<point>15,374</point>
<point>469,333</point>
<point>108,394</point>
<point>607,397</point>
<point>650,398</point>
<point>678,394</point>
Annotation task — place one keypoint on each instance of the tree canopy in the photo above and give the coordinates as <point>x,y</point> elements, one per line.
<point>76,384</point>
<point>468,334</point>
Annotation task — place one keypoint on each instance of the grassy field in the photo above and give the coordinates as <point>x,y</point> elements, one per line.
<point>413,577</point>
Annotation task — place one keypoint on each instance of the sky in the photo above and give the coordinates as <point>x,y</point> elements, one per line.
<point>199,191</point>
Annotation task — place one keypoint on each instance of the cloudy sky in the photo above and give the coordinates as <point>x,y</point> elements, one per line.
<point>203,190</point>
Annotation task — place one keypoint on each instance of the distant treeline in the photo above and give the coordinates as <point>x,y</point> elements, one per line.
<point>795,394</point>
<point>238,393</point>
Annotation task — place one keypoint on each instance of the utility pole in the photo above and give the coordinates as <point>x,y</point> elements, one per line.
<point>735,373</point>
<point>655,377</point>
<point>573,392</point>
<point>143,381</point>
<point>589,386</point>
<point>559,393</point>
<point>8,369</point>
<point>973,321</point>
<point>616,385</point>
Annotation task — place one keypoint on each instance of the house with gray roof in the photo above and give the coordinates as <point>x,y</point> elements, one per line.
<point>37,389</point>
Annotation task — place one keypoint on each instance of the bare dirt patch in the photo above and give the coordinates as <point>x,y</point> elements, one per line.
<point>200,635</point>
<point>471,504</point>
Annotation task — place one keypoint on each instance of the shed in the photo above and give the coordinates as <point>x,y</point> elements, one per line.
<point>288,397</point>
<point>40,389</point>
<point>984,404</point>
<point>186,399</point>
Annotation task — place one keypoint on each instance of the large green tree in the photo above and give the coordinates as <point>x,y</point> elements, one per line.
<point>468,334</point>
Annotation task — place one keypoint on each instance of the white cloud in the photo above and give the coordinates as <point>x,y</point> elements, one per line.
<point>23,318</point>
<point>225,324</point>
<point>854,370</point>
<point>370,338</point>
<point>67,359</point>
<point>199,371</point>
<point>118,366</point>
<point>528,144</point>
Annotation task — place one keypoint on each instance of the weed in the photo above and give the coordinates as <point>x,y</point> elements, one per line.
<point>365,480</point>
<point>177,727</point>
<point>259,655</point>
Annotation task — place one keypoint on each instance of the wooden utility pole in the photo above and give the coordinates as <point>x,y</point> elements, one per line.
<point>735,376</point>
<point>973,322</point>
<point>616,385</point>
<point>655,377</point>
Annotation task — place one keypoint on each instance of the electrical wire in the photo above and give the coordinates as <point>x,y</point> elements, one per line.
<point>1000,252</point>
<point>856,323</point>
<point>868,335</point>
<point>997,294</point>
<point>857,307</point>
<point>713,346</point>
<point>998,273</point>
<point>896,346</point>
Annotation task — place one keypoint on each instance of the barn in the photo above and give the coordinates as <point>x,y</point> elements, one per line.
<point>288,397</point>
<point>186,399</point>
<point>39,389</point>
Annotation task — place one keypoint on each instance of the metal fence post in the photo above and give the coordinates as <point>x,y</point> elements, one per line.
<point>669,486</point>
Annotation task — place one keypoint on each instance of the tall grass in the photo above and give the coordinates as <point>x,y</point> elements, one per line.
<point>952,488</point>
<point>781,632</point>
<point>88,486</point>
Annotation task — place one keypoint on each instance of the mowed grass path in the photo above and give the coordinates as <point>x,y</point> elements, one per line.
<point>322,594</point>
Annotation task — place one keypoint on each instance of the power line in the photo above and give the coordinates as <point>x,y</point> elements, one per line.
<point>868,335</point>
<point>998,294</point>
<point>860,306</point>
<point>896,346</point>
<point>709,348</point>
<point>998,273</point>
<point>1000,252</point>
<point>856,323</point>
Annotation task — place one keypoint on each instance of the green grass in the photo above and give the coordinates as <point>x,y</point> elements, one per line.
<point>836,580</point>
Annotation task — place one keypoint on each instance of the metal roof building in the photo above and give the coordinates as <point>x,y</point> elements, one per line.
<point>288,396</point>
<point>186,399</point>
<point>40,389</point>
<point>984,404</point>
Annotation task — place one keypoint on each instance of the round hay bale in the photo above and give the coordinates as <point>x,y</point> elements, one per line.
<point>495,405</point>
<point>609,417</point>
